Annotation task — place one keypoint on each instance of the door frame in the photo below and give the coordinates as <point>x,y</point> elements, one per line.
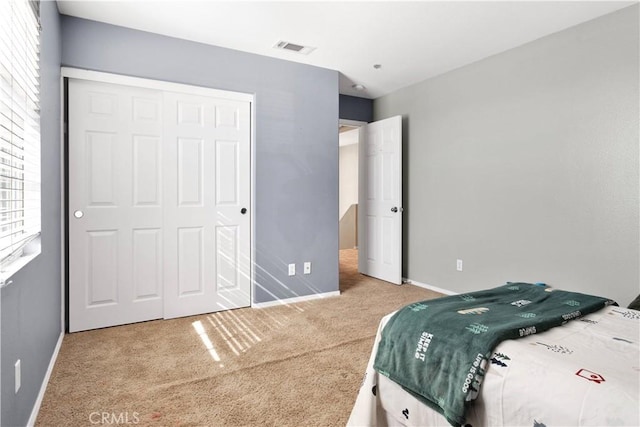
<point>121,79</point>
<point>360,125</point>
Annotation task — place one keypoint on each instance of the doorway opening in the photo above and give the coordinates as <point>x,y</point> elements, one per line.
<point>349,140</point>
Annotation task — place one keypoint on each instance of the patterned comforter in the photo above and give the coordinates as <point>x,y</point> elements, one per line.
<point>585,373</point>
<point>438,349</point>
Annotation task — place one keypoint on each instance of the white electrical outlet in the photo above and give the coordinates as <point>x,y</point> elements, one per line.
<point>307,267</point>
<point>292,269</point>
<point>459,265</point>
<point>17,375</point>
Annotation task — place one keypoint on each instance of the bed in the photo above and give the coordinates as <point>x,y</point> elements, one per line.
<point>582,371</point>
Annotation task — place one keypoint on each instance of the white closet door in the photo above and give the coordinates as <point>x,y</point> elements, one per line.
<point>115,205</point>
<point>159,204</point>
<point>207,209</point>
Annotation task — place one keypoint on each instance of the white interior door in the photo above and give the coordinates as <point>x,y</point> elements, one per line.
<point>115,205</point>
<point>159,204</point>
<point>207,218</point>
<point>380,200</point>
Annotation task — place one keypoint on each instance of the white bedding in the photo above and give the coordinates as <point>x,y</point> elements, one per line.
<point>585,373</point>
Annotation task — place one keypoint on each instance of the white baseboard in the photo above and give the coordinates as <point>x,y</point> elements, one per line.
<point>45,382</point>
<point>294,300</point>
<point>430,287</point>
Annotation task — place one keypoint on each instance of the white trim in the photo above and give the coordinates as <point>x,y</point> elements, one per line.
<point>355,123</point>
<point>430,287</point>
<point>45,382</point>
<point>252,201</point>
<point>63,205</point>
<point>0,354</point>
<point>16,265</point>
<point>294,300</point>
<point>120,79</point>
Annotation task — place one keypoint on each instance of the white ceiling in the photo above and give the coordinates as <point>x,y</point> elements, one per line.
<point>411,40</point>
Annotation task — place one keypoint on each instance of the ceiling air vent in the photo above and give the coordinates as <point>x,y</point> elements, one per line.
<point>298,48</point>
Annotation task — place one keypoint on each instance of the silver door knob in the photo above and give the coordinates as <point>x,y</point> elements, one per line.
<point>78,214</point>
<point>394,209</point>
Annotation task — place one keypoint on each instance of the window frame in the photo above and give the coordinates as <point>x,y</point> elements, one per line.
<point>20,138</point>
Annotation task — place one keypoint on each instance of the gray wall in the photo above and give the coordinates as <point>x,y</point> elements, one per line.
<point>525,165</point>
<point>31,305</point>
<point>296,147</point>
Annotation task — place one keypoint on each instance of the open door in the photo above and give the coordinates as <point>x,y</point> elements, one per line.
<point>380,200</point>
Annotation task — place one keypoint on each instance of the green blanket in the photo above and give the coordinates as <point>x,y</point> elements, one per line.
<point>438,349</point>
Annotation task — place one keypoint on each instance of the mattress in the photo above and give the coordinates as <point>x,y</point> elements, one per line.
<point>584,373</point>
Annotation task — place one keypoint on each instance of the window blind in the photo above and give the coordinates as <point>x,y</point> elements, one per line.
<point>19,126</point>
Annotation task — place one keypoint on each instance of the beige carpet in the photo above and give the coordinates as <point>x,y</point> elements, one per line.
<point>291,365</point>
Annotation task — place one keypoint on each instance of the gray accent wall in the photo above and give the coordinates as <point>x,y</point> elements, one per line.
<point>31,317</point>
<point>525,165</point>
<point>296,140</point>
<point>355,108</point>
